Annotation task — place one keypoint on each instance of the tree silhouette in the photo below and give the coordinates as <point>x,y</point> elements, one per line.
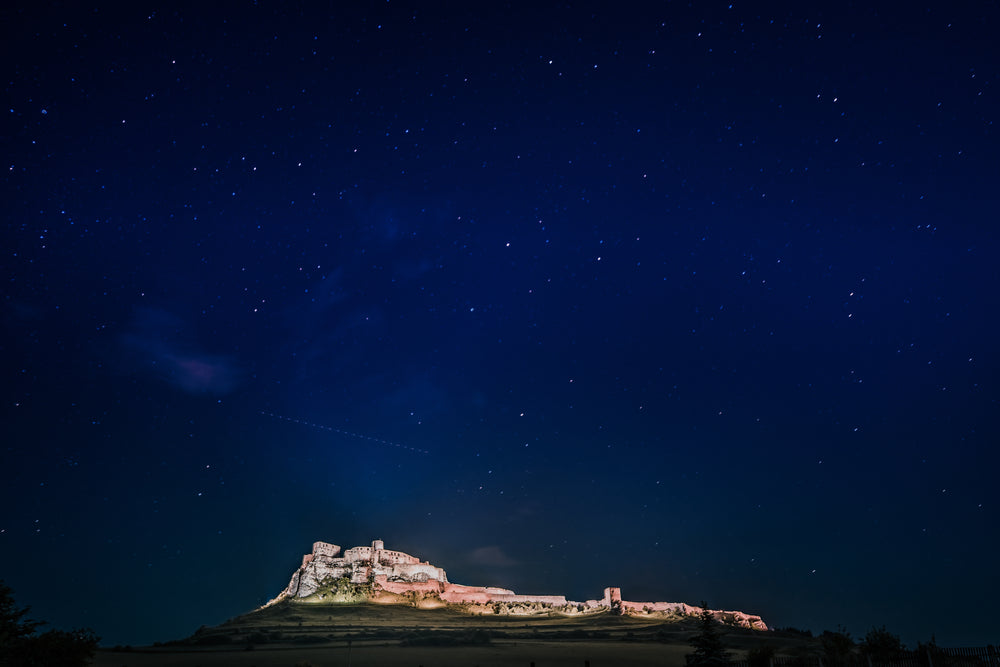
<point>21,646</point>
<point>707,644</point>
<point>13,625</point>
<point>761,656</point>
<point>881,645</point>
<point>837,647</point>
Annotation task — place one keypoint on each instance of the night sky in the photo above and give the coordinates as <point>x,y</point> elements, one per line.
<point>696,300</point>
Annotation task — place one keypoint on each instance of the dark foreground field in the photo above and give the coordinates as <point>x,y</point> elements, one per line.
<point>542,654</point>
<point>397,636</point>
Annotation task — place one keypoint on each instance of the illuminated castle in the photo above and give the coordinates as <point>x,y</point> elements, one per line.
<point>394,577</point>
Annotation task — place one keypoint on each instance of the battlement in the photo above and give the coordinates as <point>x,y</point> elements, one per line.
<point>325,549</point>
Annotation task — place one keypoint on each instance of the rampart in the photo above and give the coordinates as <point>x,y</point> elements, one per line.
<point>431,586</point>
<point>325,549</point>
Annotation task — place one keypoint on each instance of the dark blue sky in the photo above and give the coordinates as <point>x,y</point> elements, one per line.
<point>700,301</point>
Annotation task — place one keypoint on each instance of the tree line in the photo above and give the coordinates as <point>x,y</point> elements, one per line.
<point>835,649</point>
<point>22,645</point>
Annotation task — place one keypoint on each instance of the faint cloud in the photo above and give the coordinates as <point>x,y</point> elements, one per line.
<point>160,344</point>
<point>200,374</point>
<point>491,556</point>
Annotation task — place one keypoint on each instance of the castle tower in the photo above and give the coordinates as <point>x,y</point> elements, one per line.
<point>377,547</point>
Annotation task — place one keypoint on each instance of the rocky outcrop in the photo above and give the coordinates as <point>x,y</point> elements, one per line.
<point>377,574</point>
<point>359,565</point>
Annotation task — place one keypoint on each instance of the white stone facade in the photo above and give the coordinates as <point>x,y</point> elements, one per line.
<point>360,564</point>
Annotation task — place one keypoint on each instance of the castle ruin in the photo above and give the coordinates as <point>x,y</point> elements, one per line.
<point>386,574</point>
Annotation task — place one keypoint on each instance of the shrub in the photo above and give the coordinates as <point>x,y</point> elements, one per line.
<point>837,647</point>
<point>881,645</point>
<point>21,645</point>
<point>760,656</point>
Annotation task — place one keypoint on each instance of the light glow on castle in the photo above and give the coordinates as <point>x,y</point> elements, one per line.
<point>376,574</point>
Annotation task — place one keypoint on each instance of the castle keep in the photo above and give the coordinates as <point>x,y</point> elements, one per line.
<point>393,576</point>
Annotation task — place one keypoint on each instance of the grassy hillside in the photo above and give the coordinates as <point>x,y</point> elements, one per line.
<point>323,633</point>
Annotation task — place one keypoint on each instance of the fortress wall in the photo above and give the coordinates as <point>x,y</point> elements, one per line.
<point>461,588</point>
<point>457,593</point>
<point>557,600</point>
<point>411,570</point>
<point>466,596</point>
<point>403,587</point>
<point>306,559</point>
<point>653,606</point>
<point>358,554</point>
<point>737,618</point>
<point>325,549</point>
<point>397,557</point>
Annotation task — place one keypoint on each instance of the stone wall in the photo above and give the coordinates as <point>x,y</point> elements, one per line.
<point>358,554</point>
<point>396,557</point>
<point>404,587</point>
<point>554,600</point>
<point>325,549</point>
<point>412,571</point>
<point>658,607</point>
<point>458,594</point>
<point>737,618</point>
